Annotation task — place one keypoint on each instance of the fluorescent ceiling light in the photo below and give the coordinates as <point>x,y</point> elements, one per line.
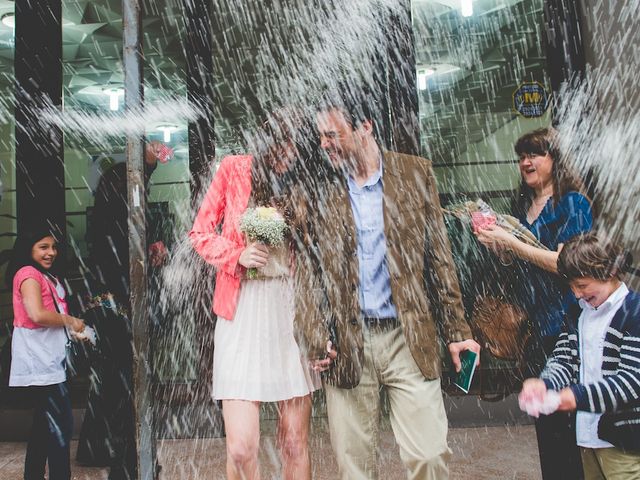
<point>447,68</point>
<point>166,130</point>
<point>114,97</point>
<point>423,74</point>
<point>466,7</point>
<point>9,20</point>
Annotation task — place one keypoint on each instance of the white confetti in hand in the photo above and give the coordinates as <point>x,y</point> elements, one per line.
<point>535,407</point>
<point>88,335</point>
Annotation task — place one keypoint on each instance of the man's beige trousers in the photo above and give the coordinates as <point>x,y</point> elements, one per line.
<point>418,418</point>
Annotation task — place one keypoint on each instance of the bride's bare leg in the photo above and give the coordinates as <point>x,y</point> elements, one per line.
<point>293,437</point>
<point>242,426</point>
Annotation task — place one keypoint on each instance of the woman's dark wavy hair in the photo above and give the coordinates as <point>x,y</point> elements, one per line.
<point>293,191</point>
<point>588,255</point>
<point>306,173</point>
<point>565,180</point>
<point>21,254</point>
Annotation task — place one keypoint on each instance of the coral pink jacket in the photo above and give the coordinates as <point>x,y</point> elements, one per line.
<point>224,203</point>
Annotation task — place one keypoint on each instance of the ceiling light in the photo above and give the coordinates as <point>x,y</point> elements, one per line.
<point>9,19</point>
<point>466,7</point>
<point>166,130</point>
<point>114,94</point>
<point>423,74</point>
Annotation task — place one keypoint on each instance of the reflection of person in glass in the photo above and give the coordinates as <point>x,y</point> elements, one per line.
<point>109,231</point>
<point>552,205</point>
<point>256,357</point>
<point>107,436</point>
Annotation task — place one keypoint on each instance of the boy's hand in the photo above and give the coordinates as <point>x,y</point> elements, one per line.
<point>532,389</point>
<point>567,400</point>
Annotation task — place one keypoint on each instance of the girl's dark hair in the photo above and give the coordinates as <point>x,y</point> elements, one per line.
<point>21,254</point>
<point>587,255</point>
<point>565,180</point>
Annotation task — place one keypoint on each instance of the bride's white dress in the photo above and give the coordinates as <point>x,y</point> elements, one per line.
<point>256,356</point>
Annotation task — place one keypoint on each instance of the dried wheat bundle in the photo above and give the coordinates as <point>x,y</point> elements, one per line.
<point>464,210</point>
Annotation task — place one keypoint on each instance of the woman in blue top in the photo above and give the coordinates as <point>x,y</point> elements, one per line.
<point>552,205</point>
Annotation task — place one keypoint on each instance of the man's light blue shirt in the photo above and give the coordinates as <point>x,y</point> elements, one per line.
<point>368,214</point>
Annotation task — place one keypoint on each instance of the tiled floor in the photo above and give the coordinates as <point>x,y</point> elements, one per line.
<point>491,453</point>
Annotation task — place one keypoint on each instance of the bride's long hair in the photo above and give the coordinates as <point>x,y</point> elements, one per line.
<point>293,190</point>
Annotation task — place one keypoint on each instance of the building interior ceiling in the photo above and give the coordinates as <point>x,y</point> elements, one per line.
<point>477,62</point>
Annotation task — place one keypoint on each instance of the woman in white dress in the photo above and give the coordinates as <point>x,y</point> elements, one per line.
<point>256,357</point>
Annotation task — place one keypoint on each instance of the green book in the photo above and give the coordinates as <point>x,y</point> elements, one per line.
<point>465,376</point>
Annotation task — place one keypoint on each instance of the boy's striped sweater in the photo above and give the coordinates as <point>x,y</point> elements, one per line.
<point>617,395</point>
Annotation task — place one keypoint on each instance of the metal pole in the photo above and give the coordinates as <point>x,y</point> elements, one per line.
<point>134,97</point>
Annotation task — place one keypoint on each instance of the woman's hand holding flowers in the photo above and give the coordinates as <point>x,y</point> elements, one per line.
<point>496,238</point>
<point>254,256</point>
<point>263,227</point>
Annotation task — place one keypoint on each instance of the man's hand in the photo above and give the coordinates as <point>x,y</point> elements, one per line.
<point>567,401</point>
<point>325,363</point>
<point>455,348</point>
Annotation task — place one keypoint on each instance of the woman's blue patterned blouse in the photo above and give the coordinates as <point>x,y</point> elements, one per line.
<point>548,296</point>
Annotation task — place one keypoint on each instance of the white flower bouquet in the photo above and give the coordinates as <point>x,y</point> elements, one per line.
<point>265,225</point>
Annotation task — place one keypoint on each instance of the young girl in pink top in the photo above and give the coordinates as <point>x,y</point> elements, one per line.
<point>38,350</point>
<point>256,357</point>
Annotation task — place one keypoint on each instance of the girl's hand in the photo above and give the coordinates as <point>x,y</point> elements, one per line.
<point>254,256</point>
<point>495,237</point>
<point>76,325</point>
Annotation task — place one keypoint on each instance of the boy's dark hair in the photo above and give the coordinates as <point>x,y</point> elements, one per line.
<point>26,239</point>
<point>587,255</point>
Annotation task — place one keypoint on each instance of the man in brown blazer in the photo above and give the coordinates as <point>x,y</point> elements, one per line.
<point>385,292</point>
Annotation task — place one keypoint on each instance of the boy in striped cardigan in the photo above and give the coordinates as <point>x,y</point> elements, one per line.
<point>595,366</point>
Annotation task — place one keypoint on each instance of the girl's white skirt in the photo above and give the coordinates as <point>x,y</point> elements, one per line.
<point>256,356</point>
